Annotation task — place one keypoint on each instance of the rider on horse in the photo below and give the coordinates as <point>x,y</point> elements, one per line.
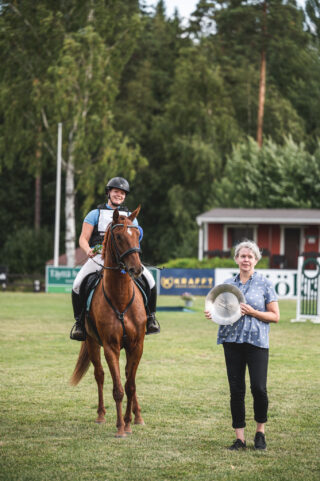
<point>92,234</point>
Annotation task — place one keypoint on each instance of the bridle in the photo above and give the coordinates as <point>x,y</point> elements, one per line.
<point>117,256</point>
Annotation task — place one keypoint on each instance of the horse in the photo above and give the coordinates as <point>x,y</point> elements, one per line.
<point>117,320</point>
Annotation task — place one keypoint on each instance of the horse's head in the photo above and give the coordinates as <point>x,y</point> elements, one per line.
<point>122,240</point>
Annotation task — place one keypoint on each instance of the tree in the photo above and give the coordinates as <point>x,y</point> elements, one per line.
<point>275,176</point>
<point>250,37</point>
<point>144,93</point>
<point>24,66</point>
<point>76,85</point>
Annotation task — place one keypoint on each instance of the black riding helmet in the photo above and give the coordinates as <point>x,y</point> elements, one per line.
<point>118,183</point>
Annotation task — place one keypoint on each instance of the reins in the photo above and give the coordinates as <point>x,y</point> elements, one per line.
<point>118,257</point>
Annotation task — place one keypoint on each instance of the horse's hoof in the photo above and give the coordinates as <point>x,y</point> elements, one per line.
<point>140,421</point>
<point>128,431</point>
<point>100,421</point>
<point>120,435</point>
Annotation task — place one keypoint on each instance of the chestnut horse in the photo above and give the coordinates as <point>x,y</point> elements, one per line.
<point>119,318</point>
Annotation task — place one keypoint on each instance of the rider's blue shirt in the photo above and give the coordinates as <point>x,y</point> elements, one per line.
<point>258,292</point>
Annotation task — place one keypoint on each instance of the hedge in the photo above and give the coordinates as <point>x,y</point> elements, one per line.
<point>213,262</point>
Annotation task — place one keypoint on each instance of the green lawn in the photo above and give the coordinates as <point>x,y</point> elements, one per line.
<point>47,428</point>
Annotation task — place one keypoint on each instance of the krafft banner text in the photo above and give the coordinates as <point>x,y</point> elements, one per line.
<point>177,281</point>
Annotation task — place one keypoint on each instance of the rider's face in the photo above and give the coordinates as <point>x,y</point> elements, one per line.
<point>116,196</point>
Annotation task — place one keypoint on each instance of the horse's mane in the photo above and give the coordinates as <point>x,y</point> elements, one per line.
<point>105,241</point>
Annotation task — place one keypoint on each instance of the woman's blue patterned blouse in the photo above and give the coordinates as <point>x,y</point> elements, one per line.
<point>258,292</point>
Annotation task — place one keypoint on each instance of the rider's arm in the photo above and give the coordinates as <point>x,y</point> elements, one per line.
<point>135,222</point>
<point>140,233</point>
<point>84,238</point>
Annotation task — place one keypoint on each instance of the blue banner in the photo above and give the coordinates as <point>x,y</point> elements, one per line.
<point>177,281</point>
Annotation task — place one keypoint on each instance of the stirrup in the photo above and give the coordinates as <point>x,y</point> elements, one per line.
<point>153,326</point>
<point>77,332</point>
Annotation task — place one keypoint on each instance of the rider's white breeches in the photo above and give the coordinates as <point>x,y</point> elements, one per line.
<point>147,274</point>
<point>90,266</point>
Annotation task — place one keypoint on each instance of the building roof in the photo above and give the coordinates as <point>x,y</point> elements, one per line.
<point>80,258</point>
<point>260,216</point>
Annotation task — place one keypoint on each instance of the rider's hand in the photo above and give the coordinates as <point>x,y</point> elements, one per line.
<point>90,253</point>
<point>207,314</point>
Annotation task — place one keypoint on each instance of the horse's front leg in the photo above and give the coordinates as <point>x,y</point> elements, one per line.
<point>112,355</point>
<point>133,359</point>
<point>95,357</point>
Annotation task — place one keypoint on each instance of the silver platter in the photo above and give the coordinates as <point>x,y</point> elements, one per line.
<point>223,303</point>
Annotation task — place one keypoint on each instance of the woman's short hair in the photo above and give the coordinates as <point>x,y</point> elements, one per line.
<point>248,244</point>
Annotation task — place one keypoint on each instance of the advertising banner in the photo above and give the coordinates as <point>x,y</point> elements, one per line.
<point>177,281</point>
<point>284,280</point>
<point>60,279</point>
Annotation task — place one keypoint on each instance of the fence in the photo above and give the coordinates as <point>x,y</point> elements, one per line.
<point>22,282</point>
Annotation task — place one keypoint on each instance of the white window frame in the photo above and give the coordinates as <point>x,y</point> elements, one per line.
<point>237,226</point>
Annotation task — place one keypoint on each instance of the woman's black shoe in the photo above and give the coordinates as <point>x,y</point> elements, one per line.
<point>260,441</point>
<point>237,445</point>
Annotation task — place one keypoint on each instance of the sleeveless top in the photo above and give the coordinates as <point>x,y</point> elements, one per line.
<point>105,215</point>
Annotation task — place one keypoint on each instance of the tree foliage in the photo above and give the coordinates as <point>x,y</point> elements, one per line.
<point>171,108</point>
<point>275,176</point>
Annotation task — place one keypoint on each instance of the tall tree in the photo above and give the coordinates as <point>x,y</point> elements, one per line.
<point>88,44</point>
<point>144,93</point>
<point>250,38</point>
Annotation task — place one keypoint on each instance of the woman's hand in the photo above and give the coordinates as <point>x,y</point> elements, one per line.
<point>207,315</point>
<point>247,310</point>
<point>271,315</point>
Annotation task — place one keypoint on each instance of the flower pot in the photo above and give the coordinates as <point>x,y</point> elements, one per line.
<point>188,302</point>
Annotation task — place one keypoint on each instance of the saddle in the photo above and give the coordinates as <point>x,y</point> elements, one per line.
<point>143,285</point>
<point>88,287</point>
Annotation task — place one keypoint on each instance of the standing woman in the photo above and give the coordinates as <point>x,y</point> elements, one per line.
<point>246,343</point>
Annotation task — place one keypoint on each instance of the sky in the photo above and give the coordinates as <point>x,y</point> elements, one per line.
<point>185,7</point>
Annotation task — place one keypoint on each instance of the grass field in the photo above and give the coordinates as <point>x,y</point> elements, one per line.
<point>47,428</point>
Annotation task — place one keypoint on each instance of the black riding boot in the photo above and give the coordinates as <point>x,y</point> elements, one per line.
<point>78,332</point>
<point>153,326</point>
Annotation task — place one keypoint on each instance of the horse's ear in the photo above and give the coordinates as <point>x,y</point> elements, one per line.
<point>116,215</point>
<point>135,213</point>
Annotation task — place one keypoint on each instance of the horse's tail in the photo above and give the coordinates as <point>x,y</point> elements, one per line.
<point>82,365</point>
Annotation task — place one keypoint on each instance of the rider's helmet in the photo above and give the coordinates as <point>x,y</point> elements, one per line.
<point>118,183</point>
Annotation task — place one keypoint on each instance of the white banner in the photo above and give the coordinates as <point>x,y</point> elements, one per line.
<point>284,280</point>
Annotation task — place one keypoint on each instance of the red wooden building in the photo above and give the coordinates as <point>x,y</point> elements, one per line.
<point>282,234</point>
